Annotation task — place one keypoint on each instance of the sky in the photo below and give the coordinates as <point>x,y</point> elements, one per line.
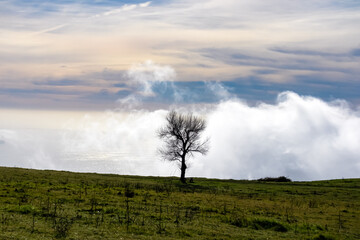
<point>278,82</point>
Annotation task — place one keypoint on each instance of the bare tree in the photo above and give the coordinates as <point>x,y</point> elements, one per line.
<point>182,137</point>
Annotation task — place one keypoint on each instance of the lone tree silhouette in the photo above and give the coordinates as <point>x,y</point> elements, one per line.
<point>182,137</point>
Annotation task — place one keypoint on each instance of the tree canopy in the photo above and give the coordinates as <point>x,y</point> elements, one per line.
<point>182,137</point>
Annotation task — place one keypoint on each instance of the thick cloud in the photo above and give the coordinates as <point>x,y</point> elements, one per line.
<point>301,137</point>
<point>119,142</point>
<point>29,148</point>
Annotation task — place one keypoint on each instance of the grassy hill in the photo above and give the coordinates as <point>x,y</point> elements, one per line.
<point>37,204</point>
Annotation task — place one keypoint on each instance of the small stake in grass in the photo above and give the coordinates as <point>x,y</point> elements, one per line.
<point>161,228</point>
<point>127,215</point>
<point>33,223</point>
<point>128,194</point>
<point>340,222</point>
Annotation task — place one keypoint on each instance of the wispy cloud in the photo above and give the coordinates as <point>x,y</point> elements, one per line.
<point>126,7</point>
<point>147,74</point>
<point>308,52</point>
<point>51,29</point>
<point>62,82</point>
<point>275,41</point>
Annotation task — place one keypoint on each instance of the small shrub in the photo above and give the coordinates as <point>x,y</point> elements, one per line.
<point>62,227</point>
<point>194,208</point>
<point>110,210</point>
<point>210,210</point>
<point>273,179</point>
<point>259,224</point>
<point>239,221</point>
<point>313,203</point>
<point>322,237</point>
<point>306,227</point>
<point>26,209</point>
<point>129,193</point>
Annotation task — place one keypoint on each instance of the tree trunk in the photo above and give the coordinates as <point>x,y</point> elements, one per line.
<point>183,169</point>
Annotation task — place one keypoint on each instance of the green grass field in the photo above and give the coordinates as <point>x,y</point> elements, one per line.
<point>37,204</point>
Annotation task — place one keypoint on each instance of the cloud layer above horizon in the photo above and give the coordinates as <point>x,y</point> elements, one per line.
<point>301,137</point>
<point>73,55</point>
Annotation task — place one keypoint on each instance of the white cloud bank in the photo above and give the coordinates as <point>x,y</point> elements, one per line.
<point>303,138</point>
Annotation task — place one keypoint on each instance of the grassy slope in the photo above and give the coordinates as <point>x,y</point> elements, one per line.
<point>38,204</point>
